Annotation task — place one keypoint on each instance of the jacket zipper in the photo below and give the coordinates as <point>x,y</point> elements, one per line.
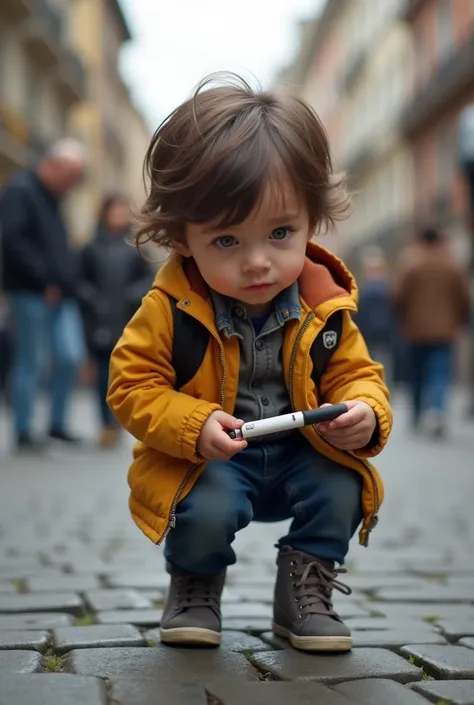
<point>374,518</point>
<point>184,481</point>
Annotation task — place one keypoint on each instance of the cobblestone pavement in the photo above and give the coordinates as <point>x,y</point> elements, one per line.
<point>81,592</point>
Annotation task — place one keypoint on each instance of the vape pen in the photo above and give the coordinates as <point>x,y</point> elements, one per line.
<point>286,422</point>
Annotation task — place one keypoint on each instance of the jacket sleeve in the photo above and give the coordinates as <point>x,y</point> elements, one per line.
<point>19,251</point>
<point>141,389</point>
<point>352,374</point>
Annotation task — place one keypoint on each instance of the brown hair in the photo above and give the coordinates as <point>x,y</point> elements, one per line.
<point>210,159</point>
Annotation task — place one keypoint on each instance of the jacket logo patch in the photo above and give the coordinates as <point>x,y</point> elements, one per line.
<point>330,339</point>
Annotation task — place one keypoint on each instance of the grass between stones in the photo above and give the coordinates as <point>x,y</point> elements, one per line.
<point>87,620</point>
<point>20,585</point>
<point>431,619</point>
<point>424,676</point>
<point>53,663</point>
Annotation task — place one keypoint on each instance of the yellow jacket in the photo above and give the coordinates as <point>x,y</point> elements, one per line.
<point>167,423</point>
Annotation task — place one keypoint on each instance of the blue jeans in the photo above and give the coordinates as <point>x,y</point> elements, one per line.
<point>42,334</point>
<point>430,377</point>
<point>267,482</point>
<point>102,385</point>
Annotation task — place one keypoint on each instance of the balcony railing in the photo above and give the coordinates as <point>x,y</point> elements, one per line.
<point>43,31</point>
<point>72,77</point>
<point>453,76</point>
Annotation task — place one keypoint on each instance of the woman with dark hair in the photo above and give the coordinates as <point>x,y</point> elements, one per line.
<point>114,279</point>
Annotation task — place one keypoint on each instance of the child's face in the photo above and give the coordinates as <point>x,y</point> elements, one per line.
<point>255,260</point>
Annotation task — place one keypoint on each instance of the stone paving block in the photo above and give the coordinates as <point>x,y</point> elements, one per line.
<point>254,593</point>
<point>152,595</point>
<point>467,641</point>
<point>148,691</point>
<point>22,639</point>
<point>271,693</point>
<point>17,661</point>
<point>445,662</point>
<point>101,600</point>
<point>379,691</point>
<point>455,629</point>
<point>447,692</point>
<point>371,624</point>
<point>32,620</point>
<point>140,618</point>
<point>430,593</point>
<point>96,636</point>
<point>252,624</point>
<point>247,610</point>
<point>336,668</point>
<point>88,566</point>
<point>162,662</point>
<point>37,602</point>
<point>396,638</point>
<point>435,610</point>
<point>7,589</point>
<point>369,583</point>
<point>231,641</point>
<point>63,583</point>
<point>51,688</point>
<point>138,581</point>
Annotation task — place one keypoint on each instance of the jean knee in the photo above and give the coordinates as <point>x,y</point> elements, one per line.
<point>213,523</point>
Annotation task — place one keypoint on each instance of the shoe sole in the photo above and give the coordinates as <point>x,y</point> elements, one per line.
<point>190,635</point>
<point>314,643</point>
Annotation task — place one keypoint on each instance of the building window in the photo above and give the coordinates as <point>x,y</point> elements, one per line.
<point>444,27</point>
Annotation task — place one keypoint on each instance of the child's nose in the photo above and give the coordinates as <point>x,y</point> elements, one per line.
<point>256,262</point>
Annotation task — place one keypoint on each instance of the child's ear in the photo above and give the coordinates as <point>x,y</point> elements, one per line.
<point>182,248</point>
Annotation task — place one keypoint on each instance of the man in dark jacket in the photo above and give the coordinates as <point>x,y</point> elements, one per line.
<point>40,276</point>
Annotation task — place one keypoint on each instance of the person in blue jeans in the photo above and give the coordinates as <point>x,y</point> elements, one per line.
<point>432,302</point>
<point>114,278</point>
<point>40,275</point>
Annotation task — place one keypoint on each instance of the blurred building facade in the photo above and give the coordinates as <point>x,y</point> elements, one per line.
<point>388,80</point>
<point>41,78</point>
<point>59,75</point>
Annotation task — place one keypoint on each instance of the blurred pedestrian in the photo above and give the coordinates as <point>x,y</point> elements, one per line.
<point>40,276</point>
<point>375,316</point>
<point>432,301</point>
<point>113,281</point>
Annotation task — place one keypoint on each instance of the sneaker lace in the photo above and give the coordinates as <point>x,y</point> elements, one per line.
<point>198,591</point>
<point>315,584</point>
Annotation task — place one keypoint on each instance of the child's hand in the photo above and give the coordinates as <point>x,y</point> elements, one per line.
<point>352,430</point>
<point>214,443</point>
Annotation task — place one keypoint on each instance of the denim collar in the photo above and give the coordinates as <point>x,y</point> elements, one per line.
<point>286,306</point>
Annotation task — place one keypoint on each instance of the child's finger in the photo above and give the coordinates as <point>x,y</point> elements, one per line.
<point>350,418</point>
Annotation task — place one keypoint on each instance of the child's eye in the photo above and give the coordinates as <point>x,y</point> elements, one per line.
<point>225,241</point>
<point>280,233</point>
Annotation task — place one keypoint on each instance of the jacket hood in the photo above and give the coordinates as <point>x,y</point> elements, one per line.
<point>324,278</point>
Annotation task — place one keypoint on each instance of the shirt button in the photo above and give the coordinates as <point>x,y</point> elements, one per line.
<point>239,312</point>
<point>265,401</point>
<point>259,344</point>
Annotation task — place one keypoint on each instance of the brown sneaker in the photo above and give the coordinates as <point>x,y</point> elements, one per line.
<point>193,613</point>
<point>303,611</point>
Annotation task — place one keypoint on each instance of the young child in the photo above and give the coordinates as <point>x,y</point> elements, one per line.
<point>240,182</point>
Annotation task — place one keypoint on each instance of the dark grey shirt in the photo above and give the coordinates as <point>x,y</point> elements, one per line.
<point>262,390</point>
